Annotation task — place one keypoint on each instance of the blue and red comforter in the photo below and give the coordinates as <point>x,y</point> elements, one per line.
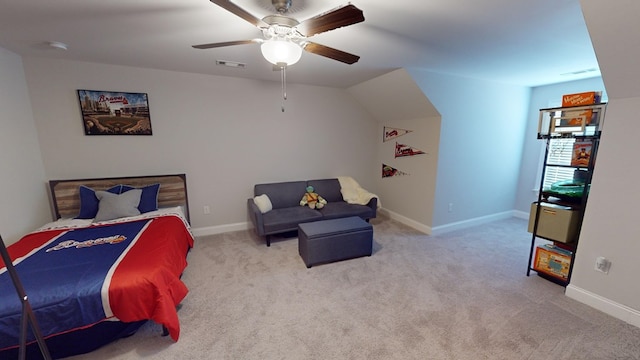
<point>78,277</point>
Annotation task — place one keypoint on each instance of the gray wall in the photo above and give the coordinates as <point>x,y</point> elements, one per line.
<point>226,134</point>
<point>481,140</point>
<point>611,225</point>
<point>395,101</point>
<point>22,181</point>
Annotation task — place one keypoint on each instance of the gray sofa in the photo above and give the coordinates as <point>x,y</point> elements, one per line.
<point>287,213</point>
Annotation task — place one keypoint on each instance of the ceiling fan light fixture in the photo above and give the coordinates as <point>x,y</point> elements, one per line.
<point>278,51</point>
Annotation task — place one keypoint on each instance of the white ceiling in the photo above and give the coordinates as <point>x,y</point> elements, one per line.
<point>522,42</point>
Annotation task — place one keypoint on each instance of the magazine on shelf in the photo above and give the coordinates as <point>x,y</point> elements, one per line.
<point>581,152</point>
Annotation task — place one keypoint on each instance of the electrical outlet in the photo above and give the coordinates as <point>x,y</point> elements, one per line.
<point>602,264</point>
<point>450,207</point>
<point>206,209</point>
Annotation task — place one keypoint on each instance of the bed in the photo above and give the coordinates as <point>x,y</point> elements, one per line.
<point>111,261</point>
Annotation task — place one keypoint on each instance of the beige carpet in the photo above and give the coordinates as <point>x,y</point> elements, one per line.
<point>463,295</point>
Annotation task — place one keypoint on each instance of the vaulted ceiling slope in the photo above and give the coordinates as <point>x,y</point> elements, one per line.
<point>527,43</point>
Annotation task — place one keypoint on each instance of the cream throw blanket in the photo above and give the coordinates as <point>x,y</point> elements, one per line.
<point>353,193</point>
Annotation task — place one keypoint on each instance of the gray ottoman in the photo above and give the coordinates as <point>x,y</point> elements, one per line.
<point>333,240</point>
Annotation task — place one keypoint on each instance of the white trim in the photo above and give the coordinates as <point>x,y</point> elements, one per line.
<point>472,222</point>
<point>521,214</point>
<point>619,311</point>
<point>219,229</point>
<point>213,230</point>
<point>405,220</point>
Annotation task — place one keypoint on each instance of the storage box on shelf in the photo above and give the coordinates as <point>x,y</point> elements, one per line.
<point>553,261</point>
<point>555,223</point>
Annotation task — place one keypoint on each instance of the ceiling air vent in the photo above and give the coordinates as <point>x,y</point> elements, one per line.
<point>230,64</point>
<point>580,72</point>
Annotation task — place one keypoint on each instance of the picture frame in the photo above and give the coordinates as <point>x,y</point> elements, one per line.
<point>114,112</point>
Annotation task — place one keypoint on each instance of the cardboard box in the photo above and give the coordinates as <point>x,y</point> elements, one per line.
<point>552,261</point>
<point>556,222</point>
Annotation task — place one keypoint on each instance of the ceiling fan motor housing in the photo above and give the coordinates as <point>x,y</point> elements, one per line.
<point>282,6</point>
<point>282,27</point>
<point>280,20</point>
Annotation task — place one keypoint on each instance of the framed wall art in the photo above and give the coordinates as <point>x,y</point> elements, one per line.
<point>114,113</point>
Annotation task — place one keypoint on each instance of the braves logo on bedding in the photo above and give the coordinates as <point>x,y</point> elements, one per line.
<point>115,239</point>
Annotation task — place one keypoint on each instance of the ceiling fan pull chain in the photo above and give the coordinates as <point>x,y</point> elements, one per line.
<point>284,81</point>
<point>283,76</point>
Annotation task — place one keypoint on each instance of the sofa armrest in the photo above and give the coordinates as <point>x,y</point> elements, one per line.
<point>373,204</point>
<point>256,217</point>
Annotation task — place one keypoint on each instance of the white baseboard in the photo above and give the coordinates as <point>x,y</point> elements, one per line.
<point>607,306</point>
<point>472,222</point>
<point>405,220</point>
<point>521,214</point>
<point>213,230</point>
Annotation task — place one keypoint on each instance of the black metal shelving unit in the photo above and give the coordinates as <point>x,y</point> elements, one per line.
<point>553,125</point>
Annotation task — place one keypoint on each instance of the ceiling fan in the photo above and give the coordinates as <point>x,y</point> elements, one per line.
<point>286,37</point>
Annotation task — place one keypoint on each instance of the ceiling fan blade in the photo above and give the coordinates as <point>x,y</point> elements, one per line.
<point>237,10</point>
<point>333,19</point>
<point>227,43</point>
<point>331,53</point>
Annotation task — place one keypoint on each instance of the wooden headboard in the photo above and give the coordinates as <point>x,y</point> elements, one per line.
<point>65,194</point>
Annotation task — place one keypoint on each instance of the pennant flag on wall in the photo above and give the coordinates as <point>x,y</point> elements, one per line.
<point>406,150</point>
<point>389,133</point>
<point>388,171</point>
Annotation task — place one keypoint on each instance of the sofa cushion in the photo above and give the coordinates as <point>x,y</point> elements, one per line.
<point>329,189</point>
<point>263,203</point>
<point>284,194</point>
<point>340,209</point>
<point>287,219</point>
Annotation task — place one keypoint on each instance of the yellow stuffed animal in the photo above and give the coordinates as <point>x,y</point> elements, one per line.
<point>312,199</point>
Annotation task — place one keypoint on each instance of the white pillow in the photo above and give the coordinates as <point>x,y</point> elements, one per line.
<point>263,203</point>
<point>113,206</point>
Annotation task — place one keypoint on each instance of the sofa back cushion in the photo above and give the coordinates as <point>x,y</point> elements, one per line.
<point>283,194</point>
<point>329,189</point>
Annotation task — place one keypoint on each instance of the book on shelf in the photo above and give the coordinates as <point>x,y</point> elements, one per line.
<point>583,98</point>
<point>579,117</point>
<point>581,152</point>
